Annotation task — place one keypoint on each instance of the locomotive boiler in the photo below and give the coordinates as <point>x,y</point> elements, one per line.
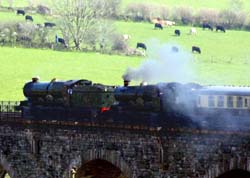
<point>65,100</point>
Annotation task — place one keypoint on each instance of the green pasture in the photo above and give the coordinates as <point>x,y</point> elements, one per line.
<point>19,65</point>
<point>195,4</point>
<point>224,59</point>
<point>215,46</point>
<point>11,16</point>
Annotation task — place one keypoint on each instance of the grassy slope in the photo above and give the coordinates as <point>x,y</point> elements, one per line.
<point>11,16</point>
<point>221,4</point>
<point>19,65</point>
<point>219,47</point>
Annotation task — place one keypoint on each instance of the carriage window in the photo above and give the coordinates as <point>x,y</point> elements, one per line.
<point>221,101</point>
<point>246,103</point>
<point>239,102</point>
<point>210,101</point>
<point>230,101</point>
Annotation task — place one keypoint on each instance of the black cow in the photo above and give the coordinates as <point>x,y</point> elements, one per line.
<point>28,17</point>
<point>158,25</point>
<point>196,49</point>
<point>141,45</point>
<point>60,40</point>
<point>49,24</point>
<point>206,25</point>
<point>20,12</point>
<point>221,28</point>
<point>24,38</point>
<point>177,32</point>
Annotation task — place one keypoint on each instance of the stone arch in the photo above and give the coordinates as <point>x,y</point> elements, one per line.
<point>111,156</point>
<point>235,173</point>
<point>98,166</point>
<point>5,168</point>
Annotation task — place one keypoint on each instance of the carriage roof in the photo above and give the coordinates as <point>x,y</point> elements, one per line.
<point>225,90</point>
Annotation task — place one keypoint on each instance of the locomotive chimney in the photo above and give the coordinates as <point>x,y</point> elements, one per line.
<point>126,83</point>
<point>35,79</point>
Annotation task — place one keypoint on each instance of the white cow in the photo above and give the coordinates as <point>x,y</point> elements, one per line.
<point>193,31</point>
<point>168,23</point>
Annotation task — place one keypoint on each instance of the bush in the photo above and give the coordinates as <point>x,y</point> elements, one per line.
<point>138,12</point>
<point>232,19</point>
<point>209,16</point>
<point>183,15</point>
<point>44,10</point>
<point>145,12</point>
<point>119,44</point>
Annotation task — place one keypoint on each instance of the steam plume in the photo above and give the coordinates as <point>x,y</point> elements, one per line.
<point>167,62</point>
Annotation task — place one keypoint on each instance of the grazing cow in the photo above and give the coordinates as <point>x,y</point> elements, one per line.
<point>205,25</point>
<point>221,28</point>
<point>158,25</point>
<point>141,45</point>
<point>168,23</point>
<point>175,49</point>
<point>177,32</point>
<point>192,31</point>
<point>49,24</point>
<point>196,49</point>
<point>28,17</point>
<point>22,12</point>
<point>60,40</point>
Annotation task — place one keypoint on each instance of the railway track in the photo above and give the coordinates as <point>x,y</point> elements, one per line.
<point>16,119</point>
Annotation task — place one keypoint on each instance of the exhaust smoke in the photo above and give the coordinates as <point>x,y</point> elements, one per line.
<point>166,62</point>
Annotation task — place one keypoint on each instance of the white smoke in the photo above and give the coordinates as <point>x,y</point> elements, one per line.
<point>164,64</point>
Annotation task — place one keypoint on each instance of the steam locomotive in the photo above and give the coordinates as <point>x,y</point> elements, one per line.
<point>163,104</point>
<point>62,100</point>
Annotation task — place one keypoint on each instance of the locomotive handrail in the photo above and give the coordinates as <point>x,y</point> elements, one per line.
<point>7,109</point>
<point>8,106</point>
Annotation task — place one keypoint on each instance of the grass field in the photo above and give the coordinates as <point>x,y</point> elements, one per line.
<point>19,65</point>
<point>224,60</point>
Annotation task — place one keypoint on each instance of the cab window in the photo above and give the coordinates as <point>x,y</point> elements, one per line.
<point>246,102</point>
<point>199,100</point>
<point>210,101</point>
<point>230,101</point>
<point>221,101</point>
<point>239,102</point>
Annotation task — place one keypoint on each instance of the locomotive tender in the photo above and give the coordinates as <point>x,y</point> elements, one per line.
<point>163,104</point>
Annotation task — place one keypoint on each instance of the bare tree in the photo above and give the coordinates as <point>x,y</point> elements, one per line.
<point>32,3</point>
<point>80,20</point>
<point>11,3</point>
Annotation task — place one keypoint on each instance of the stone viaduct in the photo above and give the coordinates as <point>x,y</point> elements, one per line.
<point>52,151</point>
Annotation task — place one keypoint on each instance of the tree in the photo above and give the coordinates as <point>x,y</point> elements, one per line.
<point>236,5</point>
<point>80,21</point>
<point>11,3</point>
